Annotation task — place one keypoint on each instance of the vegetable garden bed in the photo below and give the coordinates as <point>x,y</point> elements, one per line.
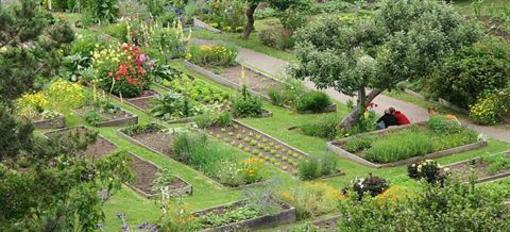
<point>403,145</point>
<point>249,218</point>
<point>261,145</point>
<point>98,149</point>
<point>107,119</point>
<point>141,102</point>
<point>52,123</point>
<point>145,175</point>
<point>486,169</point>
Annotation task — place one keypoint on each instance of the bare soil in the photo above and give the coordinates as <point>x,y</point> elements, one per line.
<point>156,140</point>
<point>252,80</point>
<point>463,171</point>
<point>145,174</point>
<point>328,225</point>
<point>96,150</point>
<point>143,102</point>
<point>496,27</point>
<point>105,116</point>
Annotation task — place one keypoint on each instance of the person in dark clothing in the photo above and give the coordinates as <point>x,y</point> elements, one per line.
<point>386,120</point>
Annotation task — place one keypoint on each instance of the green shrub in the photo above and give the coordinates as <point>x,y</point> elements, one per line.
<point>309,169</point>
<point>204,120</point>
<point>224,119</point>
<point>173,106</point>
<point>117,30</point>
<point>441,125</point>
<point>359,143</point>
<point>325,127</point>
<point>372,185</point>
<point>186,144</point>
<point>492,107</point>
<point>92,118</point>
<point>313,101</point>
<point>497,163</point>
<point>246,105</point>
<point>467,74</point>
<point>328,164</point>
<point>105,11</point>
<point>428,170</point>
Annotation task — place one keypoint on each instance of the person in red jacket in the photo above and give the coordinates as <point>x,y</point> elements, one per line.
<point>401,117</point>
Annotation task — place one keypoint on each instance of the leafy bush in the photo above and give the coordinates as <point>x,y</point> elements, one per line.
<point>169,42</point>
<point>246,105</point>
<point>212,55</point>
<point>497,162</point>
<point>227,16</point>
<point>442,125</point>
<point>312,199</point>
<point>63,96</point>
<point>92,118</point>
<point>313,101</point>
<point>277,38</point>
<point>399,146</point>
<point>372,185</point>
<point>173,106</point>
<point>325,127</point>
<point>313,168</point>
<point>467,74</point>
<point>492,108</point>
<point>122,70</point>
<point>428,170</point>
<point>328,164</point>
<point>105,11</point>
<point>288,93</point>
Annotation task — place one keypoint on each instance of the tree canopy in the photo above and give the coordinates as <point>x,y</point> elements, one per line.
<point>404,40</point>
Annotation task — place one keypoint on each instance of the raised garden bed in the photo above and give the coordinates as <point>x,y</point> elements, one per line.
<point>484,168</point>
<point>96,150</point>
<point>261,145</point>
<point>51,123</point>
<point>154,137</point>
<point>142,102</point>
<point>107,119</point>
<point>340,147</point>
<point>145,174</point>
<point>286,214</point>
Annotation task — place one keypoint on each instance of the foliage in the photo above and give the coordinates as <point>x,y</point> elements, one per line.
<point>213,219</point>
<point>403,40</point>
<point>313,168</point>
<point>212,55</point>
<point>429,170</point>
<point>209,118</point>
<point>246,105</point>
<point>359,143</point>
<point>140,129</point>
<point>227,16</point>
<point>312,199</point>
<point>176,216</point>
<point>122,70</point>
<point>31,105</point>
<point>173,106</point>
<point>324,127</point>
<point>497,163</point>
<point>64,96</point>
<point>277,37</point>
<point>467,74</point>
<point>105,11</point>
<point>92,118</point>
<point>286,94</point>
<point>442,125</point>
<point>169,42</point>
<point>313,101</point>
<point>16,135</point>
<point>451,208</point>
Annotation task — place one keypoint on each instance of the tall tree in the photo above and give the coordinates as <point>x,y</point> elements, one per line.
<point>404,40</point>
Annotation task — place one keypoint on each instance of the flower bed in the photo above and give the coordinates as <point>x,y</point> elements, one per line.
<point>108,118</point>
<point>98,149</point>
<point>239,215</point>
<point>261,145</point>
<point>145,174</point>
<point>221,165</point>
<point>486,168</point>
<point>408,144</point>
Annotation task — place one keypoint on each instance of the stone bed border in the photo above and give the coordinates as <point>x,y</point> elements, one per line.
<point>131,119</point>
<point>286,216</point>
<point>331,146</point>
<point>123,135</point>
<point>486,179</point>
<point>52,123</point>
<point>185,191</point>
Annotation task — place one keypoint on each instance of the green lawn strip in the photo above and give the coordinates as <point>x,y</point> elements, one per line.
<point>252,43</point>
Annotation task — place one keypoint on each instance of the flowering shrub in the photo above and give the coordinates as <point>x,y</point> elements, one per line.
<point>123,71</point>
<point>428,170</point>
<point>64,95</point>
<point>372,185</point>
<point>312,199</point>
<point>491,108</point>
<point>212,55</point>
<point>252,170</point>
<point>30,105</point>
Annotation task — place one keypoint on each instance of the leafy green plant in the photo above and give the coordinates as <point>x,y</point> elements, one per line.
<point>400,145</point>
<point>312,199</point>
<point>313,101</point>
<point>428,170</point>
<point>309,169</point>
<point>324,127</point>
<point>497,163</point>
<point>246,105</point>
<point>212,55</point>
<point>172,106</point>
<point>372,185</point>
<point>105,11</point>
<point>359,143</point>
<point>92,118</point>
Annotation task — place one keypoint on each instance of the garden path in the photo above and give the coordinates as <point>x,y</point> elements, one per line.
<point>276,68</point>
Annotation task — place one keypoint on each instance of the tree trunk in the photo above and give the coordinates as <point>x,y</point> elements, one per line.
<point>250,16</point>
<point>363,102</point>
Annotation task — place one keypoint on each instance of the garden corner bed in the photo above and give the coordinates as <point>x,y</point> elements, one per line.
<point>263,146</point>
<point>397,146</point>
<point>241,216</point>
<point>485,169</point>
<point>50,123</point>
<point>96,150</point>
<point>142,102</point>
<point>145,174</point>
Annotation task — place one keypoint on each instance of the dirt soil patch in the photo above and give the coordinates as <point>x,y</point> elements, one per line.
<point>145,173</point>
<point>157,140</point>
<point>253,80</point>
<point>143,102</point>
<point>96,150</point>
<point>463,170</point>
